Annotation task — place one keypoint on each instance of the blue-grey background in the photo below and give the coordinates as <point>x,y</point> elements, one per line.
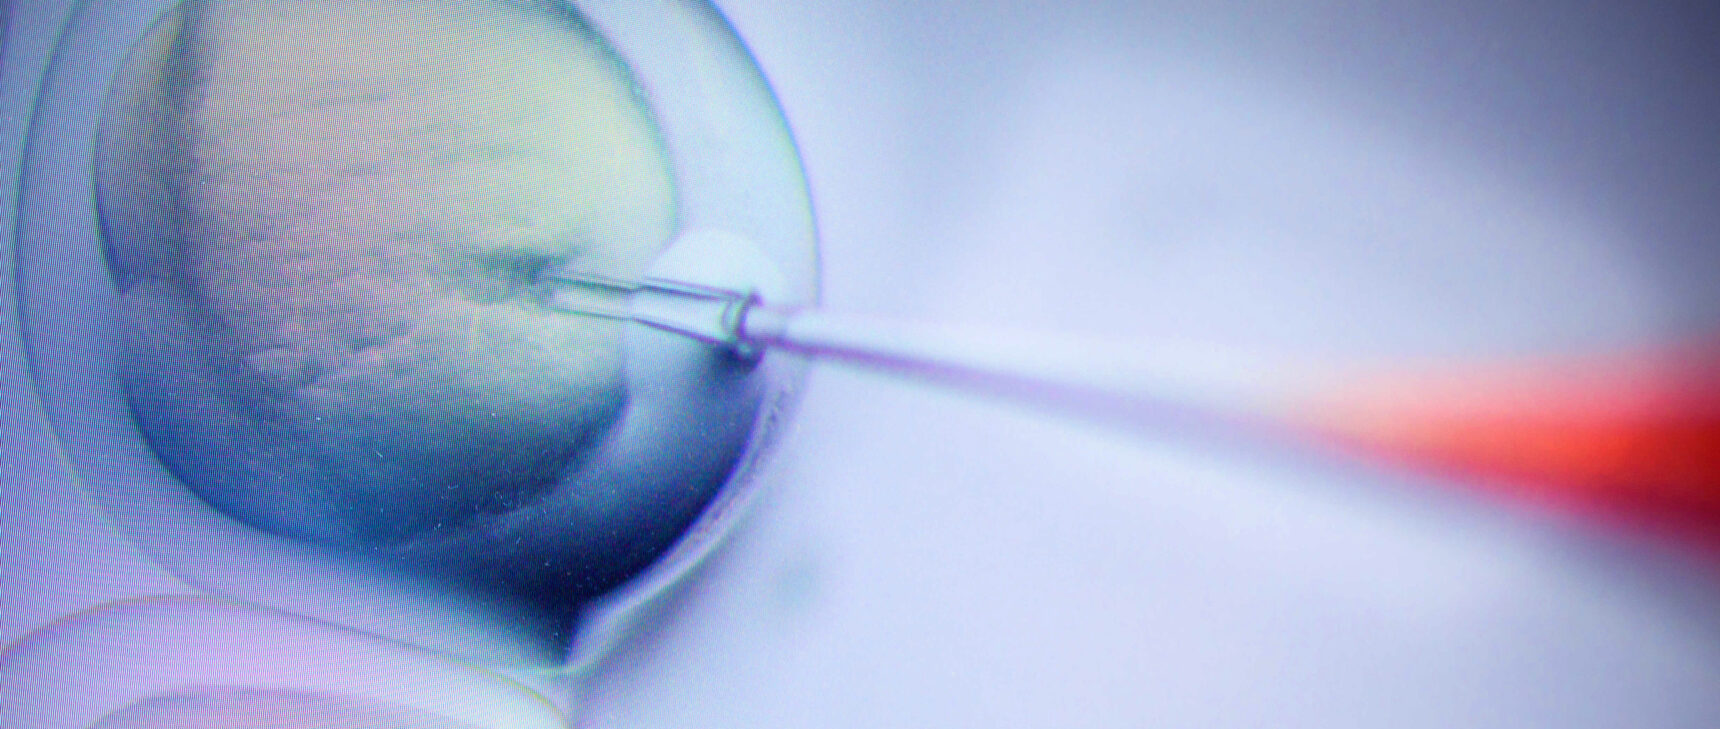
<point>1425,179</point>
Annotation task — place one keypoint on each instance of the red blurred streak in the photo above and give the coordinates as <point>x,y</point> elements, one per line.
<point>1632,438</point>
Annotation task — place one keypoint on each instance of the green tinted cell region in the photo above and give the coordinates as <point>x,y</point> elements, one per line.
<point>324,217</point>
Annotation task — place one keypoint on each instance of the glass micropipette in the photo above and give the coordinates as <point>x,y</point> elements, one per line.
<point>1095,377</point>
<point>1634,439</point>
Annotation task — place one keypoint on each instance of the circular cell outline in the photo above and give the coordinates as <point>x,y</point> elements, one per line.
<point>730,149</point>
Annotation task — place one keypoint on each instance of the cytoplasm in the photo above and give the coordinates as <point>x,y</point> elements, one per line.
<point>323,218</point>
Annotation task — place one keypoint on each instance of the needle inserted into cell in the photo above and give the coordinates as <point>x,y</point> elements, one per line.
<point>1636,436</point>
<point>1027,365</point>
<point>706,313</point>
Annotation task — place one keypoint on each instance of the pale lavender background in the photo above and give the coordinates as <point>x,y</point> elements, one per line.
<point>1432,178</point>
<point>1342,177</point>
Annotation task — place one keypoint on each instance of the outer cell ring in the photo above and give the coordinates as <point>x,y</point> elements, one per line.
<point>736,169</point>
